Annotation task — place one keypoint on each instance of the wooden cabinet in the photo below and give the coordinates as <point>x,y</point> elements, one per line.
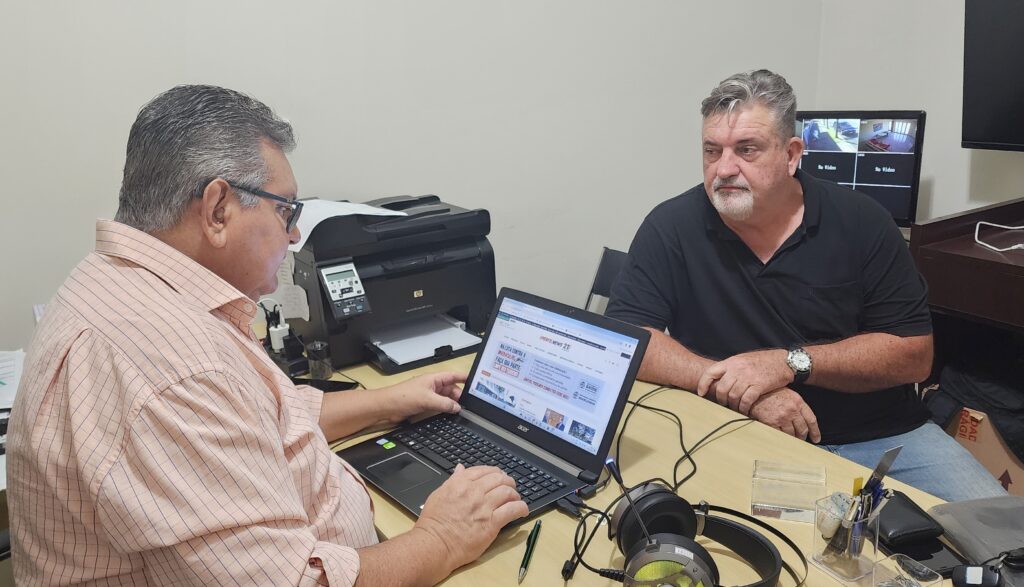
<point>967,280</point>
<point>976,294</point>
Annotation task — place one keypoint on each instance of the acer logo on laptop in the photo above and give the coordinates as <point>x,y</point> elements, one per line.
<point>523,428</point>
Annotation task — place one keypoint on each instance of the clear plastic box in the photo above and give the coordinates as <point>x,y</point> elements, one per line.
<point>786,491</point>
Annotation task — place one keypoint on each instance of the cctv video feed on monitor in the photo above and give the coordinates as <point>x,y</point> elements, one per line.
<point>874,152</point>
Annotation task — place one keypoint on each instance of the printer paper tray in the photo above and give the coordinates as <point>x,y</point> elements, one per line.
<point>436,337</point>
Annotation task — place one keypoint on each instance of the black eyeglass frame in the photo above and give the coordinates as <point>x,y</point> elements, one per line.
<point>294,205</point>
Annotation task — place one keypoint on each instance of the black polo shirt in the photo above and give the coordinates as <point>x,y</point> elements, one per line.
<point>845,270</point>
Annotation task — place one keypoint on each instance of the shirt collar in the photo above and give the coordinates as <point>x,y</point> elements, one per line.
<point>185,275</point>
<point>812,209</point>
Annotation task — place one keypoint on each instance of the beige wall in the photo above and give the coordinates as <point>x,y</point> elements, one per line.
<point>914,59</point>
<point>567,120</point>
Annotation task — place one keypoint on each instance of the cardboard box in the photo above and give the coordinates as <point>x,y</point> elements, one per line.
<point>975,432</point>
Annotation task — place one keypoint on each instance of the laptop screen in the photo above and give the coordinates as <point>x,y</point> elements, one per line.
<point>554,372</point>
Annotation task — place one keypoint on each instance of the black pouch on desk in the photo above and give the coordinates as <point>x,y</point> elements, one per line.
<point>903,523</point>
<point>904,528</point>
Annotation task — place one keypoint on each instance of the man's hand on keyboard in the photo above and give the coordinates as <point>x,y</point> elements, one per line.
<point>469,509</point>
<point>432,392</point>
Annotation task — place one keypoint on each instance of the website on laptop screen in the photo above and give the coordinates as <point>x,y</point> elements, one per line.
<point>557,373</point>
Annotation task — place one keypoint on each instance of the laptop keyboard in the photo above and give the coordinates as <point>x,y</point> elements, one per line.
<point>445,443</point>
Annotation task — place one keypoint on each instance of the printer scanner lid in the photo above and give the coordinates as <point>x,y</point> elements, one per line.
<point>428,220</point>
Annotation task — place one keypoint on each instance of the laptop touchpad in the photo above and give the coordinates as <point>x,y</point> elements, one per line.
<point>403,472</point>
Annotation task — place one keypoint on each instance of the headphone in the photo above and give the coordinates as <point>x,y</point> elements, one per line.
<point>655,530</point>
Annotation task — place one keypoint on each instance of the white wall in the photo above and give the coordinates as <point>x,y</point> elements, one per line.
<point>567,120</point>
<point>914,59</point>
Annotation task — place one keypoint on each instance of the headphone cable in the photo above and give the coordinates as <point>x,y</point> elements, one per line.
<point>580,546</point>
<point>688,453</point>
<point>582,543</point>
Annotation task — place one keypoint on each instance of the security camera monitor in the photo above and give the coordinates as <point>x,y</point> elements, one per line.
<point>876,152</point>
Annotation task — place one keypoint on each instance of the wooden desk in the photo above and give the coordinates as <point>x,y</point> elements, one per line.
<point>650,448</point>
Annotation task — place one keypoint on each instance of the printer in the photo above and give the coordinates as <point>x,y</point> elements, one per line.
<point>399,292</point>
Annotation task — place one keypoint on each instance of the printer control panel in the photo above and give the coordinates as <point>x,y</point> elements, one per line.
<point>345,290</point>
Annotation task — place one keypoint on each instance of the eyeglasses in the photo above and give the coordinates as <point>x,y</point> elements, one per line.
<point>291,208</point>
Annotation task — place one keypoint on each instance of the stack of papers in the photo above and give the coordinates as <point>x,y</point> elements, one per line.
<point>11,363</point>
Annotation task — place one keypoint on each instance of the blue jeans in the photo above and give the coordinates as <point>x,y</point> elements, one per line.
<point>931,461</point>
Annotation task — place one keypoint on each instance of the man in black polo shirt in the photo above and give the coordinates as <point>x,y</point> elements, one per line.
<point>790,299</point>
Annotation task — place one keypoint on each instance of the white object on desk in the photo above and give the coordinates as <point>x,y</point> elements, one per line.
<point>11,363</point>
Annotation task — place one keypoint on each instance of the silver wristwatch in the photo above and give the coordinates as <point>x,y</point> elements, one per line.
<point>800,362</point>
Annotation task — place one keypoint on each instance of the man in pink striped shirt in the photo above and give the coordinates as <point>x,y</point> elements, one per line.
<point>153,441</point>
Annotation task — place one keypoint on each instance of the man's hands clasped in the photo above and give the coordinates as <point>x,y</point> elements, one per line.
<point>754,384</point>
<point>739,381</point>
<point>784,409</point>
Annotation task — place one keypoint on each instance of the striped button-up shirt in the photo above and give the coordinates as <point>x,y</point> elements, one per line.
<point>153,441</point>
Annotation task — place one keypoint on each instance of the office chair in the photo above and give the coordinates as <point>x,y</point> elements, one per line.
<point>608,269</point>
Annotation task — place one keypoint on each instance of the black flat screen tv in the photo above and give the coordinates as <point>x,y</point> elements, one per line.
<point>993,88</point>
<point>876,152</point>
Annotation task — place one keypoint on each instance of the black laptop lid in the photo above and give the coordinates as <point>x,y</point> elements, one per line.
<point>555,375</point>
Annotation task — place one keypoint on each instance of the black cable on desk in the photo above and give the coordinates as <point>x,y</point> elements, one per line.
<point>580,549</point>
<point>582,542</point>
<point>633,406</point>
<point>688,454</point>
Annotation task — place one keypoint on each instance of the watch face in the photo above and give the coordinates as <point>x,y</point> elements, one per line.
<point>799,360</point>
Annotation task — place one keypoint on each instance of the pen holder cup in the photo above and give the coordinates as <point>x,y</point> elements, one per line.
<point>899,570</point>
<point>842,547</point>
<point>319,356</point>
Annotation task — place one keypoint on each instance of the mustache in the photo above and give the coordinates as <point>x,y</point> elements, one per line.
<point>720,183</point>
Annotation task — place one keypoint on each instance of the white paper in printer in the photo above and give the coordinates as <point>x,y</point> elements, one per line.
<point>315,211</point>
<point>418,339</point>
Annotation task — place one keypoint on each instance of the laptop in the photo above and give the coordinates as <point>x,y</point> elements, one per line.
<point>542,402</point>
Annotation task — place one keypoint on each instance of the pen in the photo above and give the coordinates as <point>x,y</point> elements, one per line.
<point>881,504</point>
<point>531,540</point>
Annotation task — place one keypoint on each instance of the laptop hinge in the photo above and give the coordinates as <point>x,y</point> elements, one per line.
<point>529,447</point>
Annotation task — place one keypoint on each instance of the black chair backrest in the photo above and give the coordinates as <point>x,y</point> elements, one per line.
<point>608,269</point>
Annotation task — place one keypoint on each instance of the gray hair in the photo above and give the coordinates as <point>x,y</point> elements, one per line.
<point>764,87</point>
<point>185,138</point>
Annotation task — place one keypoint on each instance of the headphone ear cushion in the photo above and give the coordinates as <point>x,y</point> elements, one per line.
<point>672,555</point>
<point>663,512</point>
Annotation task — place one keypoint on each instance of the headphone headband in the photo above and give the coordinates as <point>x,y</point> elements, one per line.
<point>748,544</point>
<point>658,504</point>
